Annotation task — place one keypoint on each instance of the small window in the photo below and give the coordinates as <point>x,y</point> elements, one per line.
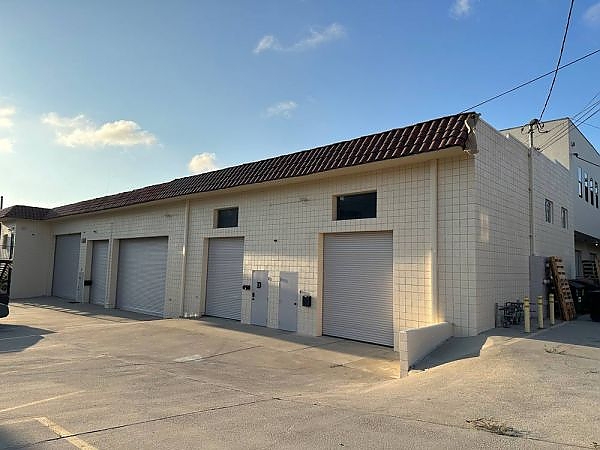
<point>591,190</point>
<point>585,186</point>
<point>596,191</point>
<point>227,218</point>
<point>580,181</point>
<point>356,206</point>
<point>564,217</point>
<point>549,206</point>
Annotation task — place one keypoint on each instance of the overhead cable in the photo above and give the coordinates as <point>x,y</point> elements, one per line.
<point>533,80</point>
<point>562,48</point>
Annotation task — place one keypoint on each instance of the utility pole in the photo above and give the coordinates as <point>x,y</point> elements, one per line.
<point>531,127</point>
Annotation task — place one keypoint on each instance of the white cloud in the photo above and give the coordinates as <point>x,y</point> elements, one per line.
<point>461,8</point>
<point>282,109</point>
<point>314,39</point>
<point>6,113</point>
<point>6,145</point>
<point>267,43</point>
<point>79,131</point>
<point>202,162</point>
<point>592,14</point>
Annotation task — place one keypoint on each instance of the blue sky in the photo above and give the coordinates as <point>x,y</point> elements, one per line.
<point>99,97</point>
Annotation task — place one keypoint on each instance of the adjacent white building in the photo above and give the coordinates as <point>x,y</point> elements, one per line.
<point>401,238</point>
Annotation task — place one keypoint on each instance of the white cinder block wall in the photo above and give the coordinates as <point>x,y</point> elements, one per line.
<point>502,223</point>
<point>283,228</point>
<point>552,182</point>
<point>161,220</point>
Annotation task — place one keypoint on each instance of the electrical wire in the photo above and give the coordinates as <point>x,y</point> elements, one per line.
<point>583,159</point>
<point>591,125</point>
<point>590,110</point>
<point>533,80</point>
<point>565,127</point>
<point>562,48</point>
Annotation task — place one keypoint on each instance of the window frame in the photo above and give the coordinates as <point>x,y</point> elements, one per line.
<point>580,181</point>
<point>564,217</point>
<point>341,197</point>
<point>218,216</point>
<point>549,210</point>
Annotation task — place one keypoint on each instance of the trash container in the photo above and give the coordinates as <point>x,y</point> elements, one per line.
<point>593,303</point>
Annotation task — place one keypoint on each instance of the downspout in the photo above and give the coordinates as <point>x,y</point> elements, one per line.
<point>433,205</point>
<point>186,224</point>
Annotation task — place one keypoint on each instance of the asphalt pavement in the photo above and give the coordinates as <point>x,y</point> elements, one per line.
<point>80,376</point>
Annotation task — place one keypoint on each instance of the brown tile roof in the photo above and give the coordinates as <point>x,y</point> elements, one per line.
<point>24,212</point>
<point>423,137</point>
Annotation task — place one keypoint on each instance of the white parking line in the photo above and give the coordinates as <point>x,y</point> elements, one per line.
<point>37,402</point>
<point>67,435</point>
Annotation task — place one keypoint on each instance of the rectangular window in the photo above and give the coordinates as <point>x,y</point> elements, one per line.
<point>596,191</point>
<point>549,207</point>
<point>585,186</point>
<point>580,181</point>
<point>356,206</point>
<point>564,217</point>
<point>591,190</point>
<point>226,217</point>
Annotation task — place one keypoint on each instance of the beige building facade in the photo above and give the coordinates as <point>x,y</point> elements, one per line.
<point>440,234</point>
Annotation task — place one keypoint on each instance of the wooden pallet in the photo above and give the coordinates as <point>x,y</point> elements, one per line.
<point>562,289</point>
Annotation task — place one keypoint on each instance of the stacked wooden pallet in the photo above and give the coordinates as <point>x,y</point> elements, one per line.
<point>562,289</point>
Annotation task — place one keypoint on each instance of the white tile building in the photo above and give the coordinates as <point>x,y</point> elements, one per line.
<point>441,234</point>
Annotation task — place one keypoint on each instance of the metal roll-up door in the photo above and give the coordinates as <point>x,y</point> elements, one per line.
<point>224,278</point>
<point>66,266</point>
<point>99,272</point>
<point>142,274</point>
<point>357,288</point>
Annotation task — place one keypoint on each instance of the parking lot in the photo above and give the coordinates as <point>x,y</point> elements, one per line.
<point>80,376</point>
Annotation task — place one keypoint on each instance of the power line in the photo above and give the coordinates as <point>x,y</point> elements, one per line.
<point>533,80</point>
<point>562,48</point>
<point>590,110</point>
<point>591,125</point>
<point>576,155</point>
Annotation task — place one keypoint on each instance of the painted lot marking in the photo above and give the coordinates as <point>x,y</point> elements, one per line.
<point>63,433</point>
<point>37,402</point>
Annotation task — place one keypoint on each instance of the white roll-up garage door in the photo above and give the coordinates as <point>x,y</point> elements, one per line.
<point>141,275</point>
<point>99,272</point>
<point>224,278</point>
<point>357,288</point>
<point>66,265</point>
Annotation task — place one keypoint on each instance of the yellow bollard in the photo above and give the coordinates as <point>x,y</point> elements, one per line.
<point>527,313</point>
<point>551,308</point>
<point>540,312</point>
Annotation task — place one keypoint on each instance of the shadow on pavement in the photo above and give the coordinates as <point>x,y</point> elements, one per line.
<point>15,338</point>
<point>581,331</point>
<point>82,309</point>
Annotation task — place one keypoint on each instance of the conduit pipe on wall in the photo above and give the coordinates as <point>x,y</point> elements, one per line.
<point>186,223</point>
<point>435,304</point>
